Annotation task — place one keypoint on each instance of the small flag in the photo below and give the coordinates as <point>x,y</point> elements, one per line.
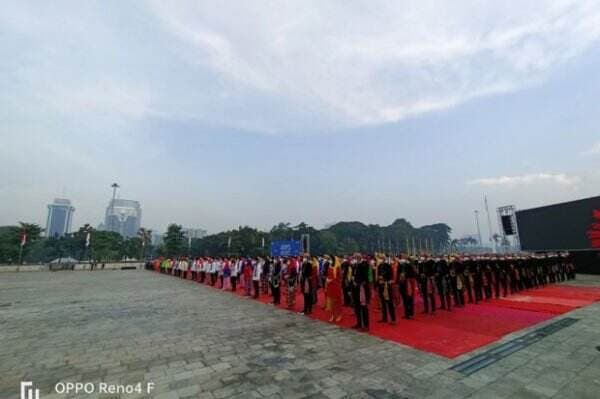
<point>24,239</point>
<point>229,242</point>
<point>88,238</point>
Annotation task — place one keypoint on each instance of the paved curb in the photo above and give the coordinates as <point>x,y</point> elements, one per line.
<point>65,267</point>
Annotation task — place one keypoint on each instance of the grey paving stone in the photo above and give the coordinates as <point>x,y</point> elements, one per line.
<point>193,341</point>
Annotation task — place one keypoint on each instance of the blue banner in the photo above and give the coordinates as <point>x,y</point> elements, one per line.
<point>286,248</point>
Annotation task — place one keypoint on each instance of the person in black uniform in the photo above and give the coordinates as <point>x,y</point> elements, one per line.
<point>361,294</point>
<point>347,282</point>
<point>405,286</point>
<point>426,285</point>
<point>468,272</point>
<point>486,280</point>
<point>478,281</point>
<point>276,282</point>
<point>306,284</point>
<point>384,285</point>
<point>496,277</point>
<point>459,294</point>
<point>503,276</point>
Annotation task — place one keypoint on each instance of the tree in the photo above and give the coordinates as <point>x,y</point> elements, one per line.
<point>105,246</point>
<point>11,237</point>
<point>174,241</point>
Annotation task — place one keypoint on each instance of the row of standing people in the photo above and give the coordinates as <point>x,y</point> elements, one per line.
<point>441,283</point>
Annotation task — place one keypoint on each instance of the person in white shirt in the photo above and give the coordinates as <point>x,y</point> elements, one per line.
<point>176,270</point>
<point>193,268</point>
<point>204,269</point>
<point>256,273</point>
<point>183,267</point>
<point>214,272</point>
<point>236,265</point>
<point>220,268</point>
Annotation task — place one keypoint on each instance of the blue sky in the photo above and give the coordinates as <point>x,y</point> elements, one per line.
<point>219,114</point>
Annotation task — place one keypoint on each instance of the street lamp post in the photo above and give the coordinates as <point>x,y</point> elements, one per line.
<point>478,229</point>
<point>112,206</point>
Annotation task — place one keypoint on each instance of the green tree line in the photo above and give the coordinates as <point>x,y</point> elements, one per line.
<point>104,245</point>
<point>340,238</point>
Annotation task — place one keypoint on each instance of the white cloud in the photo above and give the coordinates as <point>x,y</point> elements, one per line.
<point>561,179</point>
<point>593,150</point>
<point>377,62</point>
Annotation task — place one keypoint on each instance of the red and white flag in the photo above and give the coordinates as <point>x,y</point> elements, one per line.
<point>24,239</point>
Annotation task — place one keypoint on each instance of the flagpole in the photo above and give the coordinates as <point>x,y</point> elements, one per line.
<point>23,242</point>
<point>20,253</point>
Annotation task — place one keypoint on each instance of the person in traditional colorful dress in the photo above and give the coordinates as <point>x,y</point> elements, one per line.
<point>333,294</point>
<point>291,278</point>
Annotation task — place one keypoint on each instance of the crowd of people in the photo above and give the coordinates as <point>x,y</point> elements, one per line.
<point>386,282</point>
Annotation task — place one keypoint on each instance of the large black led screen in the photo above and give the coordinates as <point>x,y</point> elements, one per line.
<point>567,226</point>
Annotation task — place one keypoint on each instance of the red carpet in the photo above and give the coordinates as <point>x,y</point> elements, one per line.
<point>462,330</point>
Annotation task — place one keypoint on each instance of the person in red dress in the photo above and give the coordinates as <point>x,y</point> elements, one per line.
<point>333,294</point>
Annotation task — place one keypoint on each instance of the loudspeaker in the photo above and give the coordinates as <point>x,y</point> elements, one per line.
<point>507,225</point>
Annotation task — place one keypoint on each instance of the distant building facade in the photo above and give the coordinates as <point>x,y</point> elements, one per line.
<point>60,218</point>
<point>157,239</point>
<point>123,217</point>
<point>194,233</point>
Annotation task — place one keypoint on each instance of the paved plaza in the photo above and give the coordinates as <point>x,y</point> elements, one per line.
<point>191,341</point>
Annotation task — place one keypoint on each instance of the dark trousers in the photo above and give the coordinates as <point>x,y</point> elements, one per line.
<point>442,293</point>
<point>469,288</point>
<point>347,296</point>
<point>428,299</point>
<point>478,295</point>
<point>276,291</point>
<point>233,280</point>
<point>256,285</point>
<point>488,291</point>
<point>387,306</point>
<point>407,302</point>
<point>362,316</point>
<point>361,311</point>
<point>459,297</point>
<point>308,297</point>
<point>514,286</point>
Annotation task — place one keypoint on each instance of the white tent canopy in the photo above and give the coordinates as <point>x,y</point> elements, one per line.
<point>64,260</point>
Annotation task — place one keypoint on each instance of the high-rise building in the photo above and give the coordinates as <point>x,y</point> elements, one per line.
<point>124,217</point>
<point>60,218</point>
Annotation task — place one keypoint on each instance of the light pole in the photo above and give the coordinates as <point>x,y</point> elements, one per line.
<point>112,205</point>
<point>478,229</point>
<point>487,210</point>
<point>142,235</point>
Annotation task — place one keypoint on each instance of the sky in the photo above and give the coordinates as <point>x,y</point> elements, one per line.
<point>216,114</point>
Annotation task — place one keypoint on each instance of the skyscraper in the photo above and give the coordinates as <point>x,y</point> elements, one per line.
<point>124,217</point>
<point>60,218</point>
